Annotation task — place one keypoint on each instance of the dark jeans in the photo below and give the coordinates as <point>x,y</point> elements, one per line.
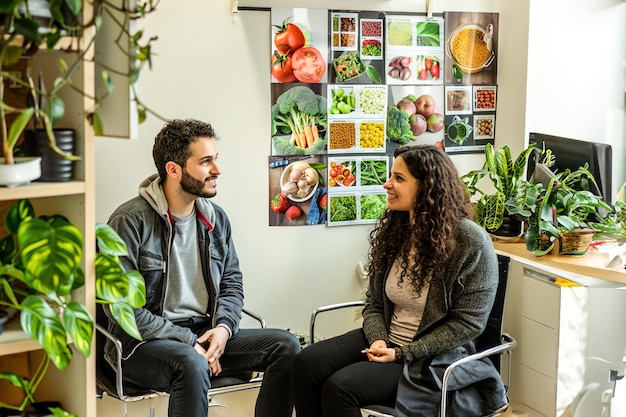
<point>176,368</point>
<point>332,378</point>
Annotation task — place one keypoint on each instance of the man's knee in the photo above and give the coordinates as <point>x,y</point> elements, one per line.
<point>287,342</point>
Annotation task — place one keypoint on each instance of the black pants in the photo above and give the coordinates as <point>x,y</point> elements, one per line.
<point>332,378</point>
<point>175,367</point>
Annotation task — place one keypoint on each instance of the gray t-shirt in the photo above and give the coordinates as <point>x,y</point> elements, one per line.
<point>186,293</point>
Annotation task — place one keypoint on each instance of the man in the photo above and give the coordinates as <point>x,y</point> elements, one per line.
<point>182,244</point>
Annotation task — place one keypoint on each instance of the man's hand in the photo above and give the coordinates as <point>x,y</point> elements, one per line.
<point>217,338</point>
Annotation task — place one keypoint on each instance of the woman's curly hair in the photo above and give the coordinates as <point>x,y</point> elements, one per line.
<point>441,202</point>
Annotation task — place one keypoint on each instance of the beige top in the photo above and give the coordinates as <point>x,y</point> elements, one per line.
<point>408,307</point>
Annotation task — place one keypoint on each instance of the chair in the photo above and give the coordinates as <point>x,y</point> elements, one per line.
<point>491,343</point>
<point>109,380</point>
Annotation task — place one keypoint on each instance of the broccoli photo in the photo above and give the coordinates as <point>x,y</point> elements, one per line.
<point>301,113</point>
<point>398,127</point>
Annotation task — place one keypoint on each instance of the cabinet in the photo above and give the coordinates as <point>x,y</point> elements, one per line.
<point>568,321</point>
<point>75,388</point>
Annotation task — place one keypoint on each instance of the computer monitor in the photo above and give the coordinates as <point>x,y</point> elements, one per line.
<point>572,154</point>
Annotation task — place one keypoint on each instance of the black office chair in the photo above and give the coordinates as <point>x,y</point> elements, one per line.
<point>109,380</point>
<point>492,343</point>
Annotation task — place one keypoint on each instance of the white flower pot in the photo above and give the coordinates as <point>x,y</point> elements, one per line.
<point>25,170</point>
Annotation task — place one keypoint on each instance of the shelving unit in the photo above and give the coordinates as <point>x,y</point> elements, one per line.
<point>75,388</point>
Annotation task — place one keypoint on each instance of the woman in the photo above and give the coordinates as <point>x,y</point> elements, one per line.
<point>433,275</point>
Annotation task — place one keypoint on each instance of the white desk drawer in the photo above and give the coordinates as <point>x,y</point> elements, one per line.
<point>535,390</point>
<point>538,347</point>
<point>541,301</point>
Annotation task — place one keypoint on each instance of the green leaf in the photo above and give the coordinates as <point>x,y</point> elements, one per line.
<point>494,210</point>
<point>28,28</point>
<point>12,54</point>
<point>41,322</point>
<point>125,317</point>
<point>428,34</point>
<point>18,126</point>
<point>79,325</point>
<point>114,285</point>
<point>96,122</point>
<point>109,241</point>
<point>52,39</point>
<point>75,6</point>
<point>57,412</point>
<point>9,6</point>
<point>373,74</point>
<point>107,82</point>
<point>22,210</point>
<point>56,111</point>
<point>51,254</point>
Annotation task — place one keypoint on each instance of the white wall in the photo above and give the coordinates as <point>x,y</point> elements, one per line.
<point>576,70</point>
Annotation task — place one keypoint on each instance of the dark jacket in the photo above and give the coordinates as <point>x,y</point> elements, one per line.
<point>145,226</point>
<point>475,388</point>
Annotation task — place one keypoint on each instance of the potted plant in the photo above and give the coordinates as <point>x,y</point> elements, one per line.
<point>40,267</point>
<point>509,186</point>
<point>25,33</point>
<point>566,212</point>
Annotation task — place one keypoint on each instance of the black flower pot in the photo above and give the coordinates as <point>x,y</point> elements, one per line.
<point>510,227</point>
<point>54,168</point>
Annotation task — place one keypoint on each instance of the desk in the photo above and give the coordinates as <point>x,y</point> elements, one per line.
<point>569,335</point>
<point>586,270</point>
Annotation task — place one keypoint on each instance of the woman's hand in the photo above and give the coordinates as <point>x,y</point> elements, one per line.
<point>379,352</point>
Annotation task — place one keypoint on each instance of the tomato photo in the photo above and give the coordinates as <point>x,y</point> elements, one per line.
<point>281,68</point>
<point>308,65</point>
<point>289,37</point>
<point>333,172</point>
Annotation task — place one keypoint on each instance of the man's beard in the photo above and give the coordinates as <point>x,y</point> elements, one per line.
<point>195,187</point>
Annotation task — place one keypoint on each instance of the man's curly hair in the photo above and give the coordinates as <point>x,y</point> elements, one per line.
<point>441,202</point>
<point>172,142</point>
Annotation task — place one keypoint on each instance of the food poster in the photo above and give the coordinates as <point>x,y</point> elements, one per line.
<point>299,43</point>
<point>470,73</point>
<point>390,79</point>
<point>355,188</point>
<point>298,190</point>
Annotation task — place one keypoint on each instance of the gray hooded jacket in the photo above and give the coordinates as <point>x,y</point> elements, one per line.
<point>145,226</point>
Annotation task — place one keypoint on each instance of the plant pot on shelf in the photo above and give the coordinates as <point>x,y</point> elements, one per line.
<point>575,242</point>
<point>54,168</point>
<point>25,170</point>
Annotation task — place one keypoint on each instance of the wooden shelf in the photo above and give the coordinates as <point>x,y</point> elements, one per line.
<point>588,269</point>
<point>14,340</point>
<point>43,189</point>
